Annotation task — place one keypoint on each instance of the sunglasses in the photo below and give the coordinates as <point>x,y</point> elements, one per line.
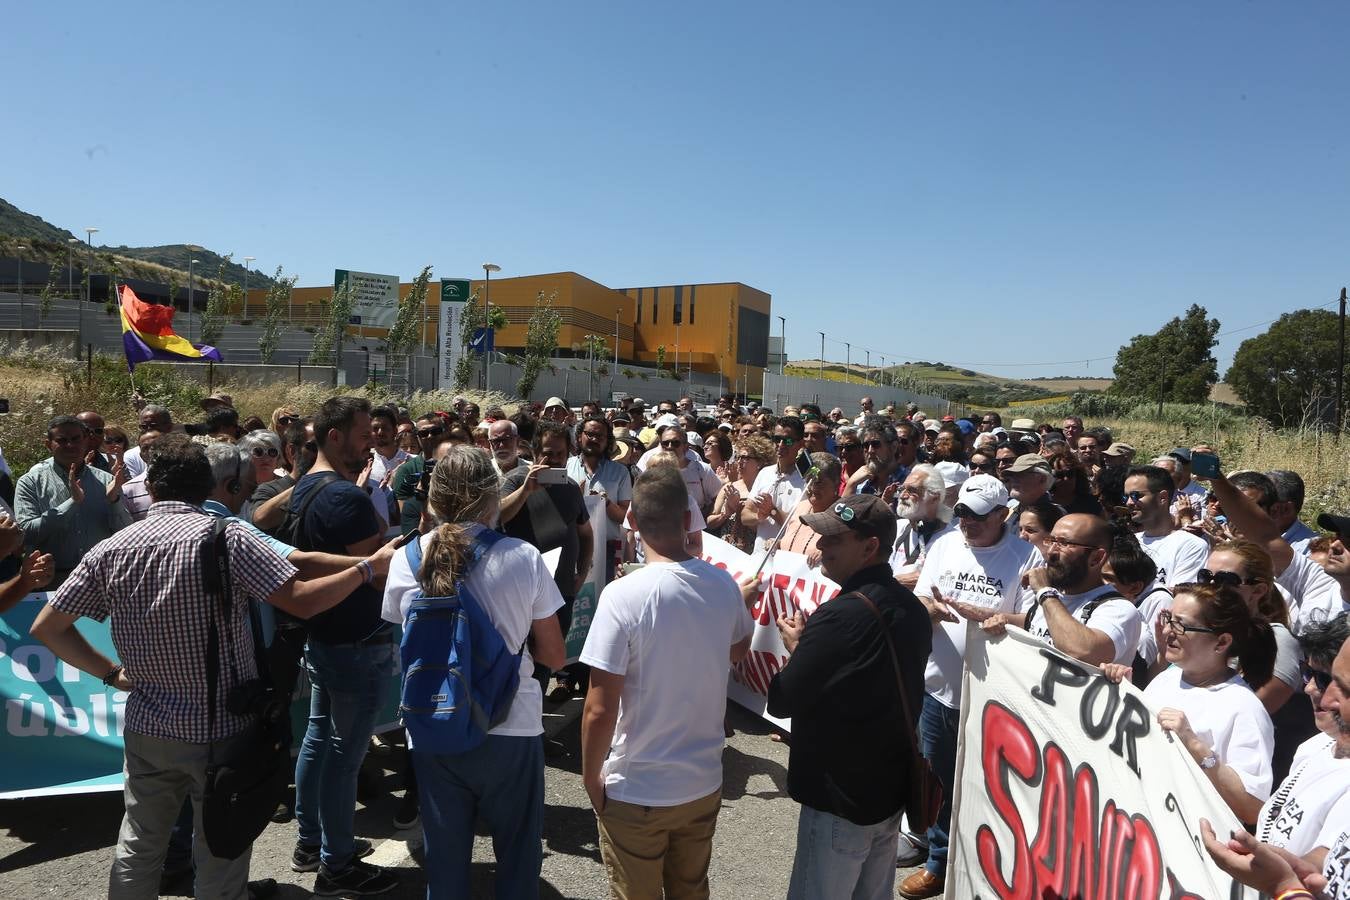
<point>1004,463</point>
<point>965,512</point>
<point>981,467</point>
<point>1323,679</point>
<point>110,439</point>
<point>1134,496</point>
<point>259,452</point>
<point>783,439</point>
<point>1179,627</point>
<point>501,441</point>
<point>287,420</point>
<point>672,444</point>
<point>430,432</point>
<point>1223,579</point>
<point>872,445</point>
<point>850,448</point>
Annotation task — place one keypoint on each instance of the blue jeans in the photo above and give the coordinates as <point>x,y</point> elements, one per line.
<point>836,858</point>
<point>348,683</point>
<point>501,780</point>
<point>937,742</point>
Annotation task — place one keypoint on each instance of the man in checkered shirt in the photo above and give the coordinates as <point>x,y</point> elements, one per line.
<point>148,578</point>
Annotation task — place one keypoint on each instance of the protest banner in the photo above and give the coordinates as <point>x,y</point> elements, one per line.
<point>1051,798</point>
<point>583,608</point>
<point>787,584</point>
<point>63,728</point>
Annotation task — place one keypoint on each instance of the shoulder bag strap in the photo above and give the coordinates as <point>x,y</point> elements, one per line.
<point>910,720</point>
<point>309,501</point>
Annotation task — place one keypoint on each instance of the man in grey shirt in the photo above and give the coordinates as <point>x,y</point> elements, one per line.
<point>65,507</point>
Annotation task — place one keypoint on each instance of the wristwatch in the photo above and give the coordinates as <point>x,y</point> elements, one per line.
<point>1048,592</point>
<point>1210,761</point>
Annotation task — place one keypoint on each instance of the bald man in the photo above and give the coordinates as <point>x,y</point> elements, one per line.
<point>1076,611</point>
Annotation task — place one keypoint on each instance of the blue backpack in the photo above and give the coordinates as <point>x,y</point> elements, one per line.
<point>459,677</point>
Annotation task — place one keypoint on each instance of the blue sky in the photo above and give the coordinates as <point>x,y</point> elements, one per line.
<point>996,185</point>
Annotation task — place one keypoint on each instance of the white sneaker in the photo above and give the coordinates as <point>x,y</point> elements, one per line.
<point>910,850</point>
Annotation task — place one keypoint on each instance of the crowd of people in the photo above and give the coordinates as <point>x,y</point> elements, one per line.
<point>1205,590</point>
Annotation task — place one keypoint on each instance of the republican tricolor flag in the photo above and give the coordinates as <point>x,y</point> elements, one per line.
<point>147,333</point>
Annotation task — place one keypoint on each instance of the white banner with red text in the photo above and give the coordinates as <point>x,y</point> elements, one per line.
<point>787,584</point>
<point>1051,794</point>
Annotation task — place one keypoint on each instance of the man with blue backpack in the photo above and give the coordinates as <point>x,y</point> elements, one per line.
<point>468,598</point>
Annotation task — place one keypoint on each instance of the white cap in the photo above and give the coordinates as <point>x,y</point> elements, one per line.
<point>694,439</point>
<point>554,401</point>
<point>983,494</point>
<point>953,473</point>
<point>666,421</point>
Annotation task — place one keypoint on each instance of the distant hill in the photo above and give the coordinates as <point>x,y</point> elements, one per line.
<point>48,243</point>
<point>936,378</point>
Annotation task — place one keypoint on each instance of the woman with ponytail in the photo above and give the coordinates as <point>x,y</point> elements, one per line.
<point>1203,700</point>
<point>502,779</point>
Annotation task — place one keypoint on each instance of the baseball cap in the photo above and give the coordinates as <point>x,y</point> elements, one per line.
<point>694,439</point>
<point>1119,448</point>
<point>1181,453</point>
<point>1338,524</point>
<point>953,473</point>
<point>621,418</point>
<point>1028,461</point>
<point>867,514</point>
<point>666,421</point>
<point>982,494</point>
<point>638,401</point>
<point>554,401</point>
<point>218,397</point>
<point>965,426</point>
<point>930,424</point>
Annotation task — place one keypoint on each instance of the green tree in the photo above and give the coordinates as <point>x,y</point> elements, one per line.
<point>661,356</point>
<point>541,339</point>
<point>328,341</point>
<point>1176,363</point>
<point>1284,373</point>
<point>406,331</point>
<point>470,321</point>
<point>213,315</point>
<point>278,304</point>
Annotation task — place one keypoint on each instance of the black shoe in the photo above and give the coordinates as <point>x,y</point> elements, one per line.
<point>359,879</point>
<point>407,814</point>
<point>306,856</point>
<point>176,876</point>
<point>262,888</point>
<point>555,749</point>
<point>283,814</point>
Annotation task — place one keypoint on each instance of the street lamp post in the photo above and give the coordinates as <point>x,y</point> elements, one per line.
<point>20,250</point>
<point>247,260</point>
<point>70,267</point>
<point>89,290</point>
<point>867,369</point>
<point>821,369</point>
<point>848,363</point>
<point>488,269</point>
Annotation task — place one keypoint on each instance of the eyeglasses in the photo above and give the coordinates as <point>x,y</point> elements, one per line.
<point>1052,540</point>
<point>672,444</point>
<point>259,452</point>
<point>783,439</point>
<point>1179,627</point>
<point>872,445</point>
<point>287,420</point>
<point>429,432</point>
<point>1004,463</point>
<point>1134,496</point>
<point>1223,579</point>
<point>850,448</point>
<point>501,441</point>
<point>1323,679</point>
<point>965,512</point>
<point>593,434</point>
<point>981,467</point>
<point>113,439</point>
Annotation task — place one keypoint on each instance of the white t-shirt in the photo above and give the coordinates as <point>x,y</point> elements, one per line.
<point>990,577</point>
<point>515,588</point>
<point>1152,600</point>
<point>1194,491</point>
<point>1313,595</point>
<point>1117,618</point>
<point>1226,716</point>
<point>132,461</point>
<point>668,629</point>
<point>1336,868</point>
<point>786,491</point>
<point>1179,555</point>
<point>1297,812</point>
<point>699,478</point>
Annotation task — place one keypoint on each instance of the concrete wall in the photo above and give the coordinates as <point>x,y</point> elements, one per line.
<point>60,339</point>
<point>780,391</point>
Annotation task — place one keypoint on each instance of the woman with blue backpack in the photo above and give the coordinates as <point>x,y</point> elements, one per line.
<point>477,609</point>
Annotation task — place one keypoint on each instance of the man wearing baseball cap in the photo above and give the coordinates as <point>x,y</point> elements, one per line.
<point>973,573</point>
<point>850,761</point>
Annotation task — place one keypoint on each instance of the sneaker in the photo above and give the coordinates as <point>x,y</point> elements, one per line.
<point>911,850</point>
<point>359,879</point>
<point>306,856</point>
<point>407,816</point>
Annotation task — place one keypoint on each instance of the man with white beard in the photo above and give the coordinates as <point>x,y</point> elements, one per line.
<point>924,516</point>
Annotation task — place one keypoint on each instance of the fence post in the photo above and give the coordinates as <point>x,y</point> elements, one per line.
<point>210,376</point>
<point>299,379</point>
<point>89,363</point>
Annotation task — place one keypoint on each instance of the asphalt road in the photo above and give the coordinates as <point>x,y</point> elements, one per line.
<point>62,846</point>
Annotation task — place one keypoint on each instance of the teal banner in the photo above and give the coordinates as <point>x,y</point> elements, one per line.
<point>63,729</point>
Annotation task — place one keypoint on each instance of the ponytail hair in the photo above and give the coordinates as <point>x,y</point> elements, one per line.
<point>463,492</point>
<point>1224,610</point>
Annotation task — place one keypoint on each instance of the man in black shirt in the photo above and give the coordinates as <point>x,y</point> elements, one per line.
<point>851,759</point>
<point>350,656</point>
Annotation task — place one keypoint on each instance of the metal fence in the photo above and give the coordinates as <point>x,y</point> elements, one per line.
<point>782,390</point>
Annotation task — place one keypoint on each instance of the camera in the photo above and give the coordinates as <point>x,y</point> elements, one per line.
<point>256,697</point>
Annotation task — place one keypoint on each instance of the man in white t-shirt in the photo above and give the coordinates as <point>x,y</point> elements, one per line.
<point>976,570</point>
<point>924,516</point>
<point>1179,554</point>
<point>777,488</point>
<point>1075,611</point>
<point>1132,572</point>
<point>651,733</point>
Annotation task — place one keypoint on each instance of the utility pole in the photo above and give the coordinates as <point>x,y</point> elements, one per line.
<point>20,250</point>
<point>1340,371</point>
<point>821,377</point>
